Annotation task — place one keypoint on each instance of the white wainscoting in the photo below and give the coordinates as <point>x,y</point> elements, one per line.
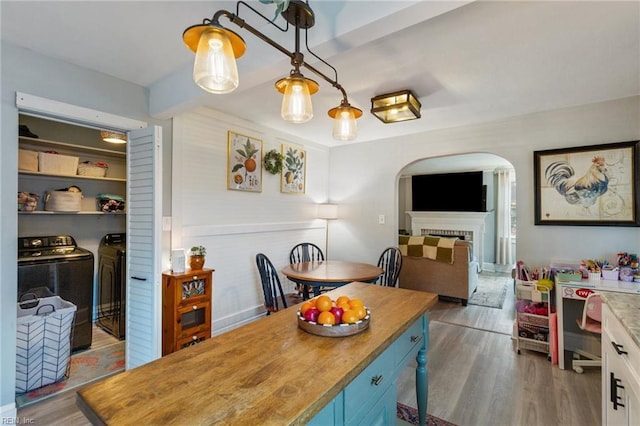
<point>231,251</point>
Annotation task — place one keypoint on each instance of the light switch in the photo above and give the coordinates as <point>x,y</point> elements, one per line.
<point>166,223</point>
<point>381,219</point>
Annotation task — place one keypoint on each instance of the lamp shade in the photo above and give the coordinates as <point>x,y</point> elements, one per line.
<point>296,99</point>
<point>396,106</point>
<point>345,127</point>
<point>214,68</point>
<point>327,211</point>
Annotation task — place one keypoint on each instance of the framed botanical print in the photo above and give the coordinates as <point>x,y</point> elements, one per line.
<point>244,163</point>
<point>593,185</point>
<point>293,178</point>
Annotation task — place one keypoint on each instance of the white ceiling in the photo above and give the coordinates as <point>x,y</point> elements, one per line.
<point>468,62</point>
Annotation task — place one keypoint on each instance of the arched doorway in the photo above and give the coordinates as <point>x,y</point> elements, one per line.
<point>496,251</point>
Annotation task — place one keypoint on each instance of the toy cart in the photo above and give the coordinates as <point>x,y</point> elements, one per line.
<point>533,306</point>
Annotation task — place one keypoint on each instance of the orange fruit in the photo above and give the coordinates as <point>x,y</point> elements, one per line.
<point>305,306</point>
<point>313,302</point>
<point>344,306</point>
<point>250,164</point>
<point>342,299</point>
<point>324,303</point>
<point>360,311</point>
<point>350,317</point>
<point>326,318</point>
<point>355,302</point>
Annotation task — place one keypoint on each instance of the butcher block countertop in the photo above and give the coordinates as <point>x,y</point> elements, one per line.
<point>266,372</point>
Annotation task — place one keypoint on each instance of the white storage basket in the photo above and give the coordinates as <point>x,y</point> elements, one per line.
<point>63,201</point>
<point>27,160</point>
<point>57,164</point>
<point>43,341</point>
<point>88,168</point>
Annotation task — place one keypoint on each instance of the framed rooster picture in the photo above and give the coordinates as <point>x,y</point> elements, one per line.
<point>593,185</point>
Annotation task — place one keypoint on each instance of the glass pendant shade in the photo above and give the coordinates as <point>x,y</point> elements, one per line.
<point>215,69</point>
<point>344,125</point>
<point>344,121</point>
<point>296,100</point>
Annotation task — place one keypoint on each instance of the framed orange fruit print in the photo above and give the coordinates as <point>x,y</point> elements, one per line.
<point>244,162</point>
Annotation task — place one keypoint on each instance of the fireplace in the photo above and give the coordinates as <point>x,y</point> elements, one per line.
<point>470,225</point>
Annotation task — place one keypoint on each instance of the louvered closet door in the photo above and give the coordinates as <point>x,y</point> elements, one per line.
<point>144,255</point>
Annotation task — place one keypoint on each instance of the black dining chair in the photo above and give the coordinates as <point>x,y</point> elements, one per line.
<point>305,252</point>
<point>391,262</point>
<point>274,297</point>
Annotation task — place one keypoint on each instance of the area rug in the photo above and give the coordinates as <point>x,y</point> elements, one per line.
<point>491,290</point>
<point>410,415</point>
<point>86,366</point>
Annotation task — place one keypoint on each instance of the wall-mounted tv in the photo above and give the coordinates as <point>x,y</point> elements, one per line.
<point>449,192</point>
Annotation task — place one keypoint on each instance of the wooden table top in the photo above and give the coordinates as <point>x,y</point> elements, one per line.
<point>328,271</point>
<point>267,372</point>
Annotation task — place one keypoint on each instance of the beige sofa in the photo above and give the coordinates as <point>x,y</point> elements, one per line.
<point>458,279</point>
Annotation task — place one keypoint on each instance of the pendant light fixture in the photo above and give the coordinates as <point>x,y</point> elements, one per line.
<point>215,68</point>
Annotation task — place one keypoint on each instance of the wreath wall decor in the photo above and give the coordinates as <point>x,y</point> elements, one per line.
<point>273,162</point>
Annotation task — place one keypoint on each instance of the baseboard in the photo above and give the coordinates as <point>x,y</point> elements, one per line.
<point>228,323</point>
<point>9,414</point>
<point>492,267</point>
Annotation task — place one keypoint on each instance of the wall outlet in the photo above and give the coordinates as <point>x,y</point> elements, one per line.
<point>380,219</point>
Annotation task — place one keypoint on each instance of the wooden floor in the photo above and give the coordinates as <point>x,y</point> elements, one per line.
<point>475,378</point>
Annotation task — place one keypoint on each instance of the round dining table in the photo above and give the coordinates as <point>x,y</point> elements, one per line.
<point>329,273</point>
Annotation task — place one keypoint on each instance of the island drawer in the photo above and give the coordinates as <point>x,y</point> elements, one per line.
<point>366,389</point>
<point>409,343</point>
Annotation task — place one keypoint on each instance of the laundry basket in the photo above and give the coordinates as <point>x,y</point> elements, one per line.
<point>43,341</point>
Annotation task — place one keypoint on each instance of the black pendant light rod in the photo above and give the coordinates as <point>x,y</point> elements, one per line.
<point>297,56</point>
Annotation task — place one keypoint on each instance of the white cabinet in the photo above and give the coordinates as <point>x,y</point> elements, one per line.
<point>39,183</point>
<point>620,373</point>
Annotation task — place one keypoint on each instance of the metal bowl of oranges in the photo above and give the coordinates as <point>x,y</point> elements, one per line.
<point>333,318</point>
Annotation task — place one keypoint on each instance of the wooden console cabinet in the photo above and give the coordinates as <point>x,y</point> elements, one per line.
<point>186,309</point>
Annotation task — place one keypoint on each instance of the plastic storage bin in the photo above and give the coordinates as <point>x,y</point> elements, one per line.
<point>43,341</point>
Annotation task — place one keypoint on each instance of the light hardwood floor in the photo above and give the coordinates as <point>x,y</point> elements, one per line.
<point>475,377</point>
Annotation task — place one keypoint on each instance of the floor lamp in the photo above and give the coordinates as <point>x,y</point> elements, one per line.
<point>327,212</point>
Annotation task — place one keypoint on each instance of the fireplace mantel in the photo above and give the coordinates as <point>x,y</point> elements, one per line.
<point>473,222</point>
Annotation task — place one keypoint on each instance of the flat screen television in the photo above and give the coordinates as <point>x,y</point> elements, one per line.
<point>449,192</point>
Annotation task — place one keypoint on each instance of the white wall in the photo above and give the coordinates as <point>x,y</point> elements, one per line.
<point>365,192</point>
<point>235,225</point>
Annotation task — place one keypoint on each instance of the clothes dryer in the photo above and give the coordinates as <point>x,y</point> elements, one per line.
<point>112,275</point>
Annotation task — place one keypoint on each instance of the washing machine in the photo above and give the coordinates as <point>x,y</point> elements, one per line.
<point>112,273</point>
<point>56,266</point>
